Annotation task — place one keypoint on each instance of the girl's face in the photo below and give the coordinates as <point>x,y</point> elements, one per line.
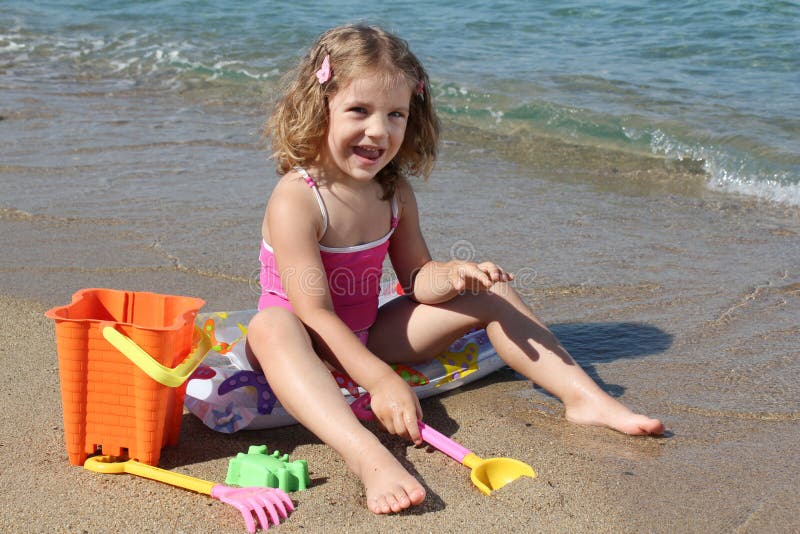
<point>367,125</point>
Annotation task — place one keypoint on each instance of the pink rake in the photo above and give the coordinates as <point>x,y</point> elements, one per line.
<point>261,501</point>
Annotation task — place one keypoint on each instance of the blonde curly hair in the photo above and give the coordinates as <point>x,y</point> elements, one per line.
<point>299,122</point>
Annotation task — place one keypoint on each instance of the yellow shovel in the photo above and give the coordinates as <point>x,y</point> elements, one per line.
<point>487,474</point>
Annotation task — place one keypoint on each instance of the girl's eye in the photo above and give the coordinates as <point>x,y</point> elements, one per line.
<point>357,109</point>
<point>399,114</point>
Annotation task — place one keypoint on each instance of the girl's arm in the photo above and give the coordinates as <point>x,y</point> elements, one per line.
<point>294,226</point>
<point>425,280</point>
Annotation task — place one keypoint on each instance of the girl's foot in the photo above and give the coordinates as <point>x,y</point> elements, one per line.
<point>611,413</point>
<point>390,488</point>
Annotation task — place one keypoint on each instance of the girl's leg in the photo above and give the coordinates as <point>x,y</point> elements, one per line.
<point>304,384</point>
<point>410,332</point>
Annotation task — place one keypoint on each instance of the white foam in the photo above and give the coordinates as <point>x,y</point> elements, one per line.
<point>123,65</point>
<point>12,47</point>
<point>766,189</point>
<point>728,173</point>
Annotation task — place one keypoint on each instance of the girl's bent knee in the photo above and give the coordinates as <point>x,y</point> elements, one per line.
<point>270,325</point>
<point>500,294</point>
<point>505,291</point>
<point>275,335</point>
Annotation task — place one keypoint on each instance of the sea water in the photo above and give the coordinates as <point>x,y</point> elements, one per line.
<point>714,84</point>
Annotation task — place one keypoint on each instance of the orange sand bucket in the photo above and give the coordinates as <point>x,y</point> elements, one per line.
<point>110,405</point>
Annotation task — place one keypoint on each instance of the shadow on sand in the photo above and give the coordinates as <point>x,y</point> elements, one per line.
<point>593,343</point>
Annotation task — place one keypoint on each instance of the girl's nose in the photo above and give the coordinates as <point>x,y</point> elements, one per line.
<point>377,127</point>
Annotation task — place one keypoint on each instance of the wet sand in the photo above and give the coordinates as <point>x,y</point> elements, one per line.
<point>683,304</point>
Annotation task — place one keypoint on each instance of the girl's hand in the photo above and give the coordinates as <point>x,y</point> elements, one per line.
<point>470,276</point>
<point>397,408</point>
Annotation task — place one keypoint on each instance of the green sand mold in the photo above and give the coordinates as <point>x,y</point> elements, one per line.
<point>258,468</point>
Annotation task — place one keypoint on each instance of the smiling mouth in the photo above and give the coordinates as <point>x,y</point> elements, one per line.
<point>368,152</point>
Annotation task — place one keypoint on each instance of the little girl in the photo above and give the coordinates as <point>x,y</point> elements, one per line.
<point>354,122</point>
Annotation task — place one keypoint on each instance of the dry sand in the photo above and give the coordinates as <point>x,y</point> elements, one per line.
<point>43,493</point>
<point>588,478</point>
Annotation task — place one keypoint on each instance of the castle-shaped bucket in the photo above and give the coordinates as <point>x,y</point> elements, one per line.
<point>123,358</point>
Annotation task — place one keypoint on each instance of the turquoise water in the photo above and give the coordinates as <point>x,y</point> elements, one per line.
<point>716,83</point>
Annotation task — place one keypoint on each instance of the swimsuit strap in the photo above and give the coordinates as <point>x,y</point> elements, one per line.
<point>395,211</point>
<point>313,185</point>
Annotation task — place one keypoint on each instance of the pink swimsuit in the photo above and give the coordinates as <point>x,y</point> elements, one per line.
<point>353,273</point>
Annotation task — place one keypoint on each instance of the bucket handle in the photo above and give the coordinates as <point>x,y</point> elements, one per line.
<point>171,377</point>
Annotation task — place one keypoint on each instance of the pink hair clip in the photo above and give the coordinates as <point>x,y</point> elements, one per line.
<point>420,87</point>
<point>324,72</point>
